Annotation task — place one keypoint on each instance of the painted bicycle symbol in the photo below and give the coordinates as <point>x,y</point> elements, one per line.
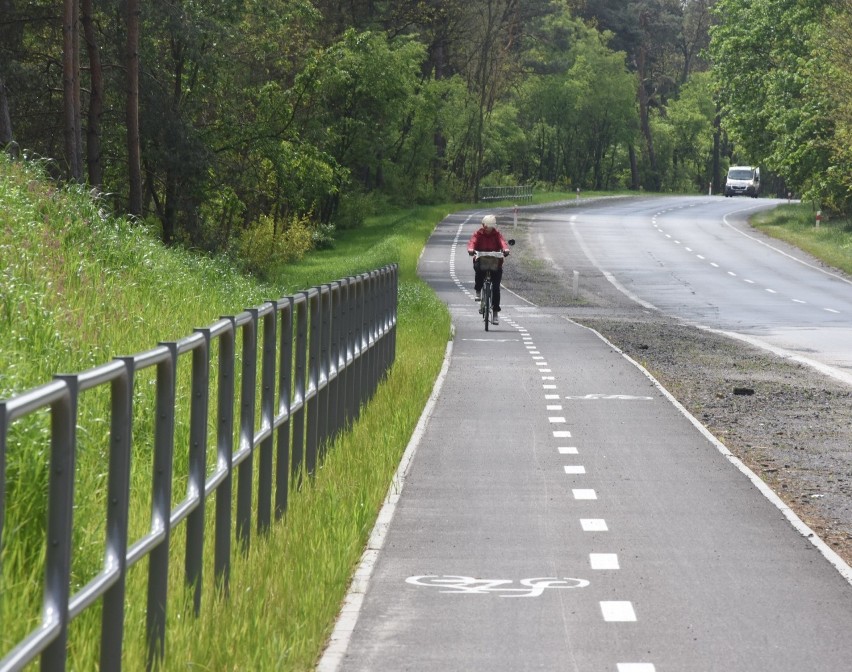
<point>469,585</point>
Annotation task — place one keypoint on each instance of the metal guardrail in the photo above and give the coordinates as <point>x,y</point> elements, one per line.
<point>515,193</point>
<point>324,352</point>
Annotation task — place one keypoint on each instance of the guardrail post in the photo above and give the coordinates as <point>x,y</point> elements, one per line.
<point>341,331</point>
<point>324,400</point>
<point>267,410</point>
<point>314,340</point>
<point>285,374</point>
<point>247,395</point>
<point>161,499</point>
<point>200,391</point>
<point>300,391</point>
<point>118,506</point>
<point>63,448</point>
<point>225,455</point>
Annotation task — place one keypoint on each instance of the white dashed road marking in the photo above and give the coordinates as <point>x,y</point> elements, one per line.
<point>603,561</point>
<point>618,612</point>
<point>594,525</point>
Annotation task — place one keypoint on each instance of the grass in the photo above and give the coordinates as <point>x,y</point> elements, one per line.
<point>796,224</point>
<point>78,288</point>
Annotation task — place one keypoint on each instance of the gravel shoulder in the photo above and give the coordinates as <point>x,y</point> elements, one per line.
<point>788,423</point>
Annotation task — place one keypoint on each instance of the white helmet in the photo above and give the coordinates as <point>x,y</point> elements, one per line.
<point>489,221</point>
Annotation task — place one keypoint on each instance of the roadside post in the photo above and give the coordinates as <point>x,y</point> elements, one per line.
<point>515,217</point>
<point>818,218</point>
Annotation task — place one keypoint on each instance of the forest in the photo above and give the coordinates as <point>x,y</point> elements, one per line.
<point>259,127</point>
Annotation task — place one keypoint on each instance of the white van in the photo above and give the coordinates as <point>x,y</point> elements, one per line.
<point>743,181</point>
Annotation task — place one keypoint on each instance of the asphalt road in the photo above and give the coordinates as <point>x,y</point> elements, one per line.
<point>694,258</point>
<point>561,512</point>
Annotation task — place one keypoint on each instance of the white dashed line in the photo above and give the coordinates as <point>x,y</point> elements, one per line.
<point>771,291</point>
<point>714,264</point>
<point>799,301</point>
<point>603,561</point>
<point>554,407</point>
<point>548,387</point>
<point>575,470</point>
<point>636,667</point>
<point>732,274</point>
<point>751,282</point>
<point>580,493</point>
<point>594,525</point>
<point>556,419</point>
<point>618,612</point>
<point>567,450</point>
<point>551,396</point>
<point>561,434</point>
<point>700,257</point>
<point>831,310</point>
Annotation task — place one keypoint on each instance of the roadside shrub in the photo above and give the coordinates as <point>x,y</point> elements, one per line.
<point>263,246</point>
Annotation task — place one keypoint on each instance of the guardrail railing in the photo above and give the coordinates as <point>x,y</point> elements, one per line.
<point>324,352</point>
<point>513,193</point>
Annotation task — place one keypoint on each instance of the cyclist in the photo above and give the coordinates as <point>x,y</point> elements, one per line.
<point>488,239</point>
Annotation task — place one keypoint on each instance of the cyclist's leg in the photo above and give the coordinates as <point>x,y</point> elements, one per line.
<point>478,277</point>
<point>496,277</point>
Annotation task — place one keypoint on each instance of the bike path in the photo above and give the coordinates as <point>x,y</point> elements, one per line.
<point>562,513</point>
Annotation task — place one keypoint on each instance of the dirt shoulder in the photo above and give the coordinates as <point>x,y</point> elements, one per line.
<point>788,423</point>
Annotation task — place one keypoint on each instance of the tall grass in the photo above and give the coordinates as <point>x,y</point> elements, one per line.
<point>79,287</point>
<point>831,241</point>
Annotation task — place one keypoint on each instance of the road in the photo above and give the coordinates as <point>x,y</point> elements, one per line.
<point>695,259</point>
<point>561,512</point>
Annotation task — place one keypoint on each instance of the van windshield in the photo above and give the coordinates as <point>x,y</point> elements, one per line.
<point>741,174</point>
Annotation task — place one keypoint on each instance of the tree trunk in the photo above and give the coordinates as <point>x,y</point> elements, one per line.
<point>717,151</point>
<point>134,152</point>
<point>5,120</point>
<point>71,90</point>
<point>635,182</point>
<point>96,97</point>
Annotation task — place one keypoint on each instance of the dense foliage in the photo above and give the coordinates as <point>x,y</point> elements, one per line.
<point>784,74</point>
<point>233,118</point>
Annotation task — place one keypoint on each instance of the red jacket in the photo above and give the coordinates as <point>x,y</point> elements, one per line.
<point>484,240</point>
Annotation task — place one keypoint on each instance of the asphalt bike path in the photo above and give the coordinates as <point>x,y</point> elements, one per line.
<point>560,511</point>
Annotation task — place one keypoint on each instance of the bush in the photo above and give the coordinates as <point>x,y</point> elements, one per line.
<point>262,247</point>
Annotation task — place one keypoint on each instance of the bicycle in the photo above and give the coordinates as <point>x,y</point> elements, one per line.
<point>488,262</point>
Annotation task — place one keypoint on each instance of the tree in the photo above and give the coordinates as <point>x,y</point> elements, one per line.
<point>71,89</point>
<point>648,31</point>
<point>96,95</point>
<point>134,158</point>
<point>688,124</point>
<point>764,61</point>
